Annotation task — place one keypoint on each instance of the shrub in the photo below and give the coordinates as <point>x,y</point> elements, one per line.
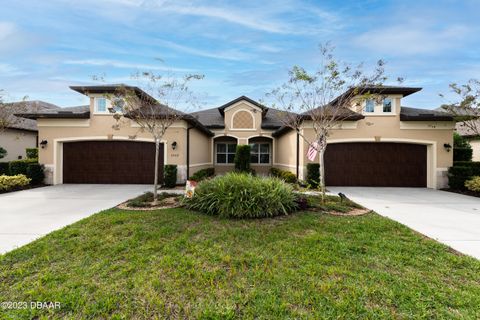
<point>4,168</point>
<point>457,176</point>
<point>462,154</point>
<point>203,174</point>
<point>242,158</point>
<point>170,175</point>
<point>20,166</point>
<point>287,176</point>
<point>145,200</point>
<point>313,174</point>
<point>473,184</point>
<point>459,141</point>
<point>35,173</point>
<point>239,195</point>
<point>8,183</point>
<point>3,153</point>
<point>32,153</point>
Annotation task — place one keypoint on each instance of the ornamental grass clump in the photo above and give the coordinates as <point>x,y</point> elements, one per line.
<point>240,195</point>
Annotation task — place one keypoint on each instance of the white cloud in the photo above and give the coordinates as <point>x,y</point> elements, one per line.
<point>6,29</point>
<point>7,70</point>
<point>123,65</point>
<point>411,39</point>
<point>231,54</point>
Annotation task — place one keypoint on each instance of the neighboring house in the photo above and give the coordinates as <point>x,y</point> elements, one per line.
<point>22,133</point>
<point>385,145</point>
<point>472,137</point>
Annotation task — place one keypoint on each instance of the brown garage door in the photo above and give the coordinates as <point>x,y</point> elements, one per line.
<point>376,164</point>
<point>110,162</point>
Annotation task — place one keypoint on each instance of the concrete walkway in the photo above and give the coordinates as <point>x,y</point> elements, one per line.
<point>27,215</point>
<point>450,218</point>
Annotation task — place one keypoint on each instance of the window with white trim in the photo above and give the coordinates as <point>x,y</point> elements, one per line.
<point>225,152</point>
<point>387,105</point>
<point>101,105</point>
<point>260,153</point>
<point>370,105</point>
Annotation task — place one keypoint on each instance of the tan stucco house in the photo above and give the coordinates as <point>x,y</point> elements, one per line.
<point>22,133</point>
<point>383,145</point>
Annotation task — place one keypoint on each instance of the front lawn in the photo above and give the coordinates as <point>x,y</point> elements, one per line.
<point>179,264</point>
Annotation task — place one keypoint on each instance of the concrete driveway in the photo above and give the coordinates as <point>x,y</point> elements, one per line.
<point>450,218</point>
<point>27,215</point>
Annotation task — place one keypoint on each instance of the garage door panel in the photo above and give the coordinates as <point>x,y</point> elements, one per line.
<point>376,164</point>
<point>116,162</point>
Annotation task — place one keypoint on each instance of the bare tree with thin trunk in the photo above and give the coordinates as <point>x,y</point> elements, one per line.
<point>154,108</point>
<point>327,96</point>
<point>466,109</point>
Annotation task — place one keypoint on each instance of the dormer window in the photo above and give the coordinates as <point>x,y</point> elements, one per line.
<point>387,105</point>
<point>379,107</point>
<point>101,105</point>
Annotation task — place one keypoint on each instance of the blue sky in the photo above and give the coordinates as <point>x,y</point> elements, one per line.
<point>242,47</point>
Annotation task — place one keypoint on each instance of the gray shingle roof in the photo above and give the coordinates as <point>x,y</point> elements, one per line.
<point>82,112</point>
<point>415,114</point>
<point>34,106</point>
<point>212,118</point>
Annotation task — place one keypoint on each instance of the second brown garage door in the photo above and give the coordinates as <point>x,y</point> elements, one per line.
<point>376,164</point>
<point>116,162</point>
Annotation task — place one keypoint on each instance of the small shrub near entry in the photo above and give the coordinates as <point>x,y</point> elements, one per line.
<point>202,174</point>
<point>239,195</point>
<point>170,175</point>
<point>8,183</point>
<point>20,166</point>
<point>473,184</point>
<point>35,173</point>
<point>313,174</point>
<point>457,175</point>
<point>287,176</point>
<point>242,158</point>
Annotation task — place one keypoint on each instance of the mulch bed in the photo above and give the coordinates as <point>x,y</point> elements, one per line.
<point>167,203</point>
<point>353,212</point>
<point>464,192</point>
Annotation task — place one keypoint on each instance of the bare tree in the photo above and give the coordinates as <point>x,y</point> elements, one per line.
<point>466,109</point>
<point>326,97</point>
<point>154,108</point>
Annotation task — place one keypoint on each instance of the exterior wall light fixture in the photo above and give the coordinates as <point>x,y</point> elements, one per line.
<point>43,144</point>
<point>447,146</point>
<point>174,145</point>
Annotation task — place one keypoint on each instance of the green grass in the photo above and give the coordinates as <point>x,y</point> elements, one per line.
<point>179,264</point>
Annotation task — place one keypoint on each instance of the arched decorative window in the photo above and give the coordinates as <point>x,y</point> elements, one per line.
<point>243,119</point>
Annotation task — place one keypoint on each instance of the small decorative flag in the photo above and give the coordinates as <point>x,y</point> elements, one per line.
<point>312,151</point>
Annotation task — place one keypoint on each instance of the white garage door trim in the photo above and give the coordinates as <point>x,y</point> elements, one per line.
<point>58,151</point>
<point>431,153</point>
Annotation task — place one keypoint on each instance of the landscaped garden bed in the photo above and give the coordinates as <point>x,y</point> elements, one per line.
<point>24,174</point>
<point>145,202</point>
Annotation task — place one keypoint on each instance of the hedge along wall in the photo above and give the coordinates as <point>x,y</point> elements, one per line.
<point>461,172</point>
<point>462,154</point>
